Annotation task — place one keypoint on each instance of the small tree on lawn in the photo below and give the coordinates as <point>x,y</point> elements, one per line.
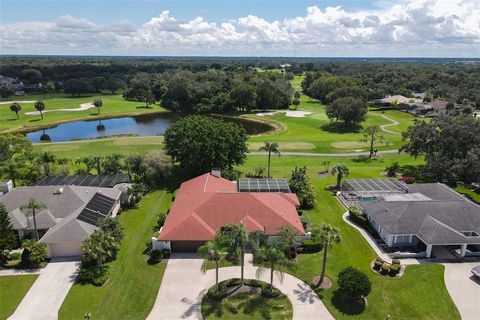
<point>354,283</point>
<point>301,185</point>
<point>288,240</point>
<point>327,235</point>
<point>112,226</point>
<point>100,246</point>
<point>270,148</point>
<point>212,250</point>
<point>16,107</point>
<point>296,99</point>
<point>340,170</point>
<point>271,258</point>
<point>40,106</point>
<point>34,253</point>
<point>8,237</point>
<point>98,103</point>
<point>371,135</point>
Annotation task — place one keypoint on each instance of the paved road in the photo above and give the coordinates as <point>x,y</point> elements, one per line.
<point>184,285</point>
<point>46,295</point>
<point>464,288</point>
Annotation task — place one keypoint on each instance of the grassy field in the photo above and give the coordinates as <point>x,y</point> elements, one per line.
<point>113,105</point>
<point>246,306</point>
<point>12,291</point>
<point>133,284</point>
<point>420,293</point>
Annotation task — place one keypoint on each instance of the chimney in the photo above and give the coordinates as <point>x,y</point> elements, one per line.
<point>216,172</point>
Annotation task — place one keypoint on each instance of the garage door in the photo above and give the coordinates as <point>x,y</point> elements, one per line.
<point>186,246</point>
<point>65,249</point>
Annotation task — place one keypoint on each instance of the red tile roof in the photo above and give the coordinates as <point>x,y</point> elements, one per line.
<point>207,203</point>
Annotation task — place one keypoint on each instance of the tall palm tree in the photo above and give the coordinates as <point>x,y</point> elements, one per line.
<point>46,159</point>
<point>327,235</point>
<point>270,148</point>
<point>16,107</point>
<point>212,250</point>
<point>273,258</point>
<point>99,246</point>
<point>98,103</point>
<point>40,106</point>
<point>239,239</point>
<point>340,170</point>
<point>32,208</point>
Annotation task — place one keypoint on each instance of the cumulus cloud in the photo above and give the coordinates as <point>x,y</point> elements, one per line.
<point>412,28</point>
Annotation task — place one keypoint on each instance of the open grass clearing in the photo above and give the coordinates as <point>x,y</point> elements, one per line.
<point>133,284</point>
<point>255,146</point>
<point>12,291</point>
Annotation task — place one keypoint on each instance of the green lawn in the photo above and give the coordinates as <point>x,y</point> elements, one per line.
<point>113,105</point>
<point>133,284</point>
<point>247,306</point>
<point>12,291</point>
<point>420,293</point>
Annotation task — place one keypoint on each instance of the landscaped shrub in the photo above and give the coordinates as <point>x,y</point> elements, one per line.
<point>408,180</point>
<point>312,246</point>
<point>93,275</point>
<point>161,219</point>
<point>392,170</point>
<point>34,254</point>
<point>268,293</point>
<point>358,218</point>
<point>385,268</point>
<point>396,261</point>
<point>354,283</point>
<point>377,264</point>
<point>221,294</point>
<point>15,256</point>
<point>155,257</point>
<point>305,222</point>
<point>166,253</point>
<point>394,269</point>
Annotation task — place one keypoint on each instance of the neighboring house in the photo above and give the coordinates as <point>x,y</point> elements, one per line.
<point>431,214</point>
<point>70,215</point>
<point>207,203</point>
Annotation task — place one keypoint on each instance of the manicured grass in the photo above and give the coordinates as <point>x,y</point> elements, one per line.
<point>113,105</point>
<point>419,294</point>
<point>12,291</point>
<point>472,195</point>
<point>247,306</point>
<point>133,285</point>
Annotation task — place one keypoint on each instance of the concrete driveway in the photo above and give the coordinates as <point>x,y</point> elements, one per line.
<point>184,285</point>
<point>46,295</point>
<point>464,288</point>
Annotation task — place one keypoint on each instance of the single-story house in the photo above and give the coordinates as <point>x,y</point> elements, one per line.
<point>207,203</point>
<point>70,215</point>
<point>429,213</point>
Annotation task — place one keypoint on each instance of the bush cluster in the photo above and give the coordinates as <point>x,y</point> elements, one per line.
<point>386,268</point>
<point>155,257</point>
<point>93,275</point>
<point>234,282</point>
<point>312,246</point>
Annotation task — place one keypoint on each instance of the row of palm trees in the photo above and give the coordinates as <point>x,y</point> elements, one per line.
<point>40,106</point>
<point>270,256</point>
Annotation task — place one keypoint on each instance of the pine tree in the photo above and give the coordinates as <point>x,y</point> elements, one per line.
<point>8,238</point>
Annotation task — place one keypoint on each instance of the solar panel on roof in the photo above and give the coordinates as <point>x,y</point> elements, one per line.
<point>99,206</point>
<point>263,185</point>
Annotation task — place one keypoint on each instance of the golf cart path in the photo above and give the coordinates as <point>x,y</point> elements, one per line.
<point>392,123</point>
<point>83,107</point>
<point>184,285</point>
<point>47,293</point>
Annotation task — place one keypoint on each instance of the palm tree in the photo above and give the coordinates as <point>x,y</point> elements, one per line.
<point>270,147</point>
<point>271,257</point>
<point>340,170</point>
<point>99,246</point>
<point>212,250</point>
<point>32,208</point>
<point>327,235</point>
<point>11,167</point>
<point>40,106</point>
<point>16,107</point>
<point>239,240</point>
<point>98,103</point>
<point>46,159</point>
<point>97,162</point>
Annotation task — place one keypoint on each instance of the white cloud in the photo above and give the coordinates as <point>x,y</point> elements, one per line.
<point>411,28</point>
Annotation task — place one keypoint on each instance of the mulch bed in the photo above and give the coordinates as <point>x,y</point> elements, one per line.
<point>326,283</point>
<point>323,174</point>
<point>233,291</point>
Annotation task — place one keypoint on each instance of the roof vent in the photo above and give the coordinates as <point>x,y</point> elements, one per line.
<point>58,191</point>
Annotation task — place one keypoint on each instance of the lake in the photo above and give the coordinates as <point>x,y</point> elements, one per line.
<point>144,125</point>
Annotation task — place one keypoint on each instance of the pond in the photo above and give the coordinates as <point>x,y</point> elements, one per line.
<point>144,125</point>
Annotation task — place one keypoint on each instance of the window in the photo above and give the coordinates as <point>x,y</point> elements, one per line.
<point>402,239</point>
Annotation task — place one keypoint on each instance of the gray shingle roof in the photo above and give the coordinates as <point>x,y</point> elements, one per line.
<point>440,220</point>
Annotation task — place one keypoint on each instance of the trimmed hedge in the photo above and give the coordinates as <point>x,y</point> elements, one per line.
<point>377,265</point>
<point>385,268</point>
<point>358,218</point>
<point>155,257</point>
<point>394,269</point>
<point>396,262</point>
<point>312,246</point>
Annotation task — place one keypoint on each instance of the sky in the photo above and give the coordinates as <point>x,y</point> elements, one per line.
<point>337,28</point>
